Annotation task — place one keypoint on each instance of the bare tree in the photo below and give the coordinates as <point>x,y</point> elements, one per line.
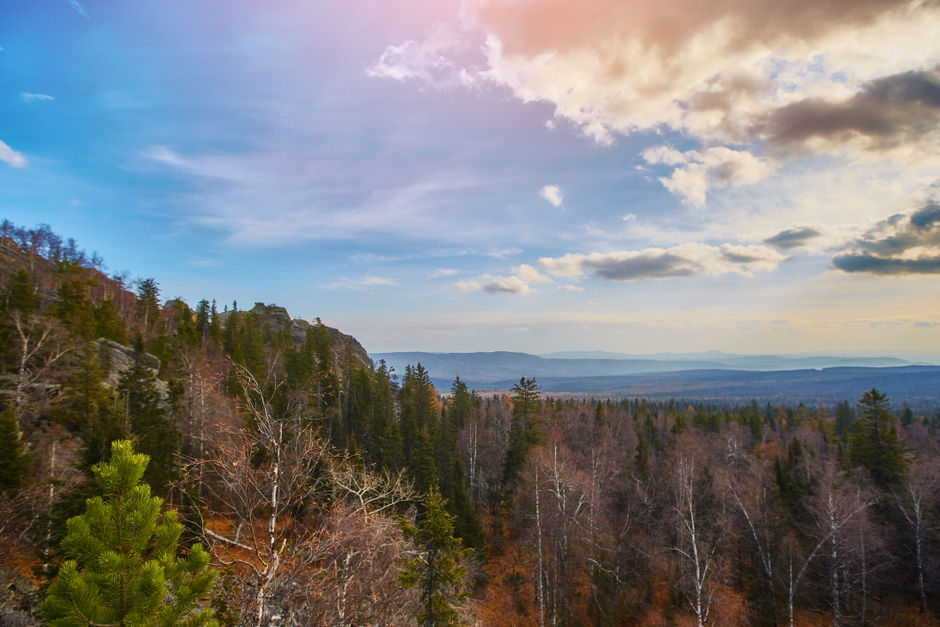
<point>698,541</point>
<point>915,501</point>
<point>39,345</point>
<point>257,480</point>
<point>835,505</point>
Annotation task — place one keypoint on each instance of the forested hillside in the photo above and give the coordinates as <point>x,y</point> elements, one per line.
<point>328,490</point>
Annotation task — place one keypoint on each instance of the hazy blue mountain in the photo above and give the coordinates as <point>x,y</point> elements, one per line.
<point>503,365</point>
<point>746,362</point>
<point>497,366</point>
<point>919,386</point>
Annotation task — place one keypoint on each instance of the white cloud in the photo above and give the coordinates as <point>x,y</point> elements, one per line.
<point>363,282</point>
<point>75,4</point>
<point>432,61</point>
<point>698,171</point>
<point>552,193</point>
<point>306,196</point>
<point>35,97</point>
<point>502,253</point>
<point>442,272</point>
<point>14,158</point>
<point>570,288</point>
<point>755,83</point>
<point>520,282</point>
<point>684,260</point>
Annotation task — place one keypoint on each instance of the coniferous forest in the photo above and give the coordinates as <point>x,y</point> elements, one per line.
<point>164,462</point>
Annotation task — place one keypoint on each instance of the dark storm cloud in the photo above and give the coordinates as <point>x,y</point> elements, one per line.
<point>792,238</point>
<point>893,110</point>
<point>885,249</point>
<point>653,266</point>
<point>864,262</point>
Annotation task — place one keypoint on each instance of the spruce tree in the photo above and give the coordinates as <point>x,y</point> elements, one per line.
<point>150,423</point>
<point>526,429</point>
<point>876,445</point>
<point>436,570</point>
<point>123,567</point>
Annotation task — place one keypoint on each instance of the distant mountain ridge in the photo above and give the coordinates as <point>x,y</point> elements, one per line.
<point>713,376</point>
<point>495,366</point>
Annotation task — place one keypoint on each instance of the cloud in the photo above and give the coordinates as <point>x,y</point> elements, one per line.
<point>899,244</point>
<point>364,282</point>
<point>502,253</point>
<point>792,238</point>
<point>697,171</point>
<point>306,196</point>
<point>887,112</point>
<point>442,272</point>
<point>752,83</point>
<point>570,288</point>
<point>520,282</point>
<point>14,158</point>
<point>35,97</point>
<point>611,66</point>
<point>75,4</point>
<point>684,260</point>
<point>432,62</point>
<point>552,193</point>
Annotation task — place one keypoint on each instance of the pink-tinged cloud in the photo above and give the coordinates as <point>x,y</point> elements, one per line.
<point>762,78</point>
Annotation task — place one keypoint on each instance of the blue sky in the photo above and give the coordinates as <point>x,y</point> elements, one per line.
<point>491,174</point>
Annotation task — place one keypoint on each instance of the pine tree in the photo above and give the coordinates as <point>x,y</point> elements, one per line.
<point>109,323</point>
<point>21,293</point>
<point>14,459</point>
<point>123,567</point>
<point>436,570</point>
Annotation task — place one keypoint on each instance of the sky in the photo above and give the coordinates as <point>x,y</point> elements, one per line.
<point>637,176</point>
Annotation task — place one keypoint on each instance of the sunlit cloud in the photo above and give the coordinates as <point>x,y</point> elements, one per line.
<point>698,171</point>
<point>521,281</point>
<point>752,81</point>
<point>552,193</point>
<point>432,61</point>
<point>10,156</point>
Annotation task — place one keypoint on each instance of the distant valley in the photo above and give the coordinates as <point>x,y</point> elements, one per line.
<point>712,376</point>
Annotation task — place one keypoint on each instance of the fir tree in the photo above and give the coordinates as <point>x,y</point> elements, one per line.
<point>123,567</point>
<point>436,570</point>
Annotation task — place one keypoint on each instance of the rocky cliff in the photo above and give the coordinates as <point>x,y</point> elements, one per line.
<point>277,318</point>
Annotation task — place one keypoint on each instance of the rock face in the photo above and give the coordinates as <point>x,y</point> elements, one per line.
<point>121,358</point>
<point>276,317</point>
